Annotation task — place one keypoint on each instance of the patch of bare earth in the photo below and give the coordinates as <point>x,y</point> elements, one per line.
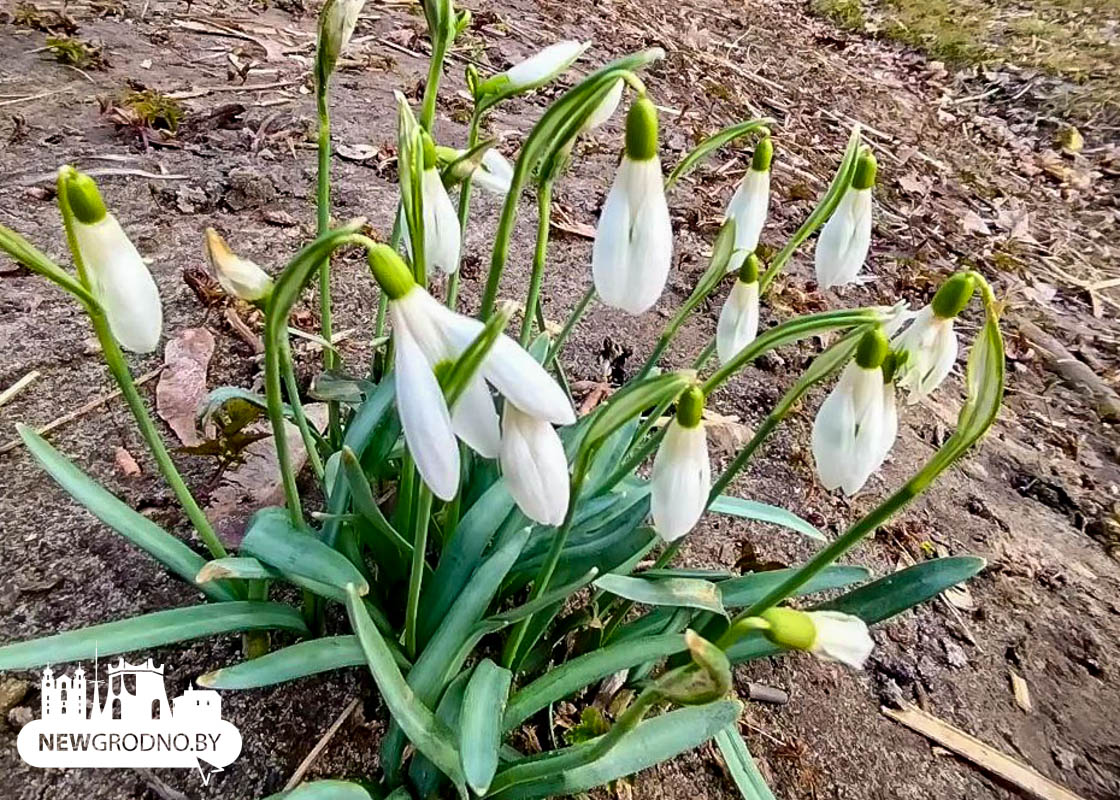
<point>969,176</point>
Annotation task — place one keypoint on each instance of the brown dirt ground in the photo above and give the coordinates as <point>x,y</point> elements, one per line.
<point>1036,499</point>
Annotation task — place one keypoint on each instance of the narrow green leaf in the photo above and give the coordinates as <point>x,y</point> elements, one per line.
<point>609,455</point>
<point>151,630</point>
<point>360,432</point>
<point>462,555</point>
<point>326,790</point>
<point>629,403</point>
<point>480,725</point>
<point>895,593</point>
<point>430,736</point>
<point>422,772</point>
<point>677,592</point>
<point>459,376</point>
<point>740,763</point>
<point>569,678</point>
<point>443,657</point>
<point>713,143</point>
<point>393,551</point>
<point>650,743</point>
<point>496,622</point>
<point>271,538</point>
<point>132,525</point>
<point>35,260</point>
<point>746,589</point>
<point>763,512</point>
<point>242,568</point>
<point>687,572</point>
<point>296,661</point>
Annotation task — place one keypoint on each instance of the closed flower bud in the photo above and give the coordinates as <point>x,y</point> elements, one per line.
<point>844,242</point>
<point>830,635</point>
<point>682,473</point>
<point>738,319</point>
<point>634,240</point>
<point>336,25</point>
<point>115,273</point>
<point>238,276</point>
<point>749,205</point>
<point>536,70</point>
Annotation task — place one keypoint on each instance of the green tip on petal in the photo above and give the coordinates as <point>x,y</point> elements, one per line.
<point>390,271</point>
<point>790,628</point>
<point>763,154</point>
<point>641,130</point>
<point>893,363</point>
<point>866,168</point>
<point>748,273</point>
<point>84,198</point>
<point>873,348</point>
<point>690,407</point>
<point>953,295</point>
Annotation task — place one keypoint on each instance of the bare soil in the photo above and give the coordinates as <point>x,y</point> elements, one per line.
<point>970,176</point>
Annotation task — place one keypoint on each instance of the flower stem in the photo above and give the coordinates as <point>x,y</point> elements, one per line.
<point>294,401</point>
<point>421,512</point>
<point>511,653</point>
<point>431,88</point>
<point>464,212</point>
<point>544,211</point>
<point>322,223</point>
<point>569,325</point>
<point>118,368</point>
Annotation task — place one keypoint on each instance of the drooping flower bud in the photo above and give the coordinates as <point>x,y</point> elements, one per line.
<point>114,271</point>
<point>738,319</point>
<point>634,241</point>
<point>930,343</point>
<point>844,242</point>
<point>238,276</point>
<point>336,25</point>
<point>750,203</point>
<point>827,634</point>
<point>536,70</point>
<point>682,473</point>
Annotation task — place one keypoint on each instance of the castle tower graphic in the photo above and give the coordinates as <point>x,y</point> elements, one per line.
<point>64,696</point>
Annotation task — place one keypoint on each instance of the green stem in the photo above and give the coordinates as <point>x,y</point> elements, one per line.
<point>569,325</point>
<point>465,189</point>
<point>322,224</point>
<point>421,513</point>
<point>544,575</point>
<point>544,211</point>
<point>431,88</point>
<point>118,367</point>
<point>294,401</point>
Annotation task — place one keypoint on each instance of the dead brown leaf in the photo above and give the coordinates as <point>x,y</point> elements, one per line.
<point>126,463</point>
<point>182,386</point>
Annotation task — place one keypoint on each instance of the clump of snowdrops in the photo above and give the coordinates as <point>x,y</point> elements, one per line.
<point>494,553</point>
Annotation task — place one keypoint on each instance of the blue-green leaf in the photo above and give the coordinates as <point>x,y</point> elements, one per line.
<point>763,512</point>
<point>740,763</point>
<point>480,723</point>
<point>677,592</point>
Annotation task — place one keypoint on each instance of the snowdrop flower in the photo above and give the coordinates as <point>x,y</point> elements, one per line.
<point>856,425</point>
<point>843,244</point>
<point>750,203</point>
<point>738,319</point>
<point>534,465</point>
<point>930,342</point>
<point>536,70</point>
<point>494,174</point>
<point>114,271</point>
<point>442,234</point>
<point>634,241</point>
<point>427,335</point>
<point>238,276</point>
<point>682,474</point>
<point>606,108</point>
<point>829,635</point>
<point>336,25</point>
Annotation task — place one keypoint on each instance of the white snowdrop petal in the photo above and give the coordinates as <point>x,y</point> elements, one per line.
<point>633,242</point>
<point>543,65</point>
<point>738,320</point>
<point>520,379</point>
<point>606,108</point>
<point>748,208</point>
<point>475,420</point>
<point>841,637</point>
<point>534,466</point>
<point>680,481</point>
<point>423,412</point>
<point>441,224</point>
<point>495,174</point>
<point>843,244</point>
<point>834,432</point>
<point>121,283</point>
